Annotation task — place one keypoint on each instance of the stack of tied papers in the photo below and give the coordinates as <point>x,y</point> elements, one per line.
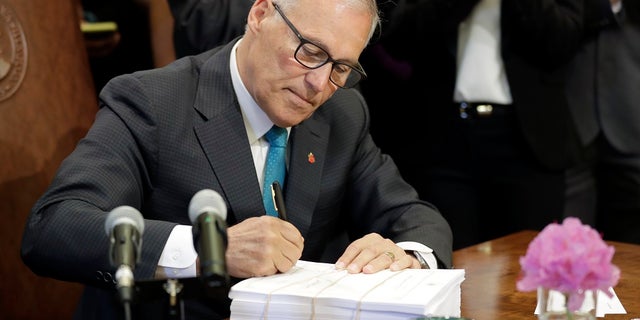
<point>318,291</point>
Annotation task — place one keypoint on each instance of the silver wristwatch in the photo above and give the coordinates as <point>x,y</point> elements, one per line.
<point>423,263</point>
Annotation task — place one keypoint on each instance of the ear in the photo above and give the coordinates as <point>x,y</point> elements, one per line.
<point>259,10</point>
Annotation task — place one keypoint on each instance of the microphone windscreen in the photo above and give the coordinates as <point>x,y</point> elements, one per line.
<point>207,200</point>
<point>124,215</point>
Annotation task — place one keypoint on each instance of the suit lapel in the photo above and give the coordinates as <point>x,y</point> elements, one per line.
<point>224,139</point>
<point>225,143</point>
<point>308,144</point>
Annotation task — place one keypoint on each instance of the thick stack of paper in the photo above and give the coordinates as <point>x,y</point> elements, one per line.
<point>318,291</point>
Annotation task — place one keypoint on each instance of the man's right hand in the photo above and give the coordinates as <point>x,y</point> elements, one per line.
<point>262,246</point>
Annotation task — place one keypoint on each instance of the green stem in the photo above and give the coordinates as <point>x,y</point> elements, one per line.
<point>566,302</point>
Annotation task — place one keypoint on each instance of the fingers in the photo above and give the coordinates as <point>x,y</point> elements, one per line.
<point>290,233</point>
<point>394,260</point>
<point>288,252</point>
<point>262,246</point>
<point>373,253</point>
<point>390,255</point>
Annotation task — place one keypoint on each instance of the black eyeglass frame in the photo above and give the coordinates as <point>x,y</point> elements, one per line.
<point>357,68</point>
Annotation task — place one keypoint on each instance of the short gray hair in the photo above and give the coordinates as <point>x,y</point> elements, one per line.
<point>369,5</point>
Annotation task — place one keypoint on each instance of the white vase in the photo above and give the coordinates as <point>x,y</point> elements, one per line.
<point>552,305</point>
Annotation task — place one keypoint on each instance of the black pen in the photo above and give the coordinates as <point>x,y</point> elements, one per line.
<point>278,200</point>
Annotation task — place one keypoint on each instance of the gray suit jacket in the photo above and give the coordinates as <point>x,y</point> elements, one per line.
<point>603,85</point>
<point>162,135</point>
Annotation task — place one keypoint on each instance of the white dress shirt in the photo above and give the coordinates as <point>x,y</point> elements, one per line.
<point>481,76</point>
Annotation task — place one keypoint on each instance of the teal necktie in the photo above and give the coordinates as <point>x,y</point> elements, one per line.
<point>275,166</point>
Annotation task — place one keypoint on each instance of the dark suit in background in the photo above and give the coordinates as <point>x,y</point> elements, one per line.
<point>488,175</point>
<point>604,96</point>
<point>133,52</point>
<point>154,149</point>
<point>201,25</point>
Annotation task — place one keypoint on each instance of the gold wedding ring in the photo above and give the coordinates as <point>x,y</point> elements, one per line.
<point>390,255</point>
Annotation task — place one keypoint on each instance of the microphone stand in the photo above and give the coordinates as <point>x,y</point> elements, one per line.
<point>173,292</point>
<point>176,307</point>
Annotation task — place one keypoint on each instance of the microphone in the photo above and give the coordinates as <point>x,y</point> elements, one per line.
<point>124,227</point>
<point>208,214</point>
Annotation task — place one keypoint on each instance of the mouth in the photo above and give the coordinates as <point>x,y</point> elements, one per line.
<point>301,100</point>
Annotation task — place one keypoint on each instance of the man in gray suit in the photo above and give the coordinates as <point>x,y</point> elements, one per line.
<point>162,135</point>
<point>603,91</point>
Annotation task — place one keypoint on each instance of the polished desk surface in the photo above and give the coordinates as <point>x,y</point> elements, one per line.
<point>492,269</point>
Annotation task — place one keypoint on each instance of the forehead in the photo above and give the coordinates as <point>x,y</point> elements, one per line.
<point>339,28</point>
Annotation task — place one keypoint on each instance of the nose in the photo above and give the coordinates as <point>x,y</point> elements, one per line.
<point>318,78</point>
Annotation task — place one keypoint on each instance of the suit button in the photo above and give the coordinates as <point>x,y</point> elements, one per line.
<point>105,277</point>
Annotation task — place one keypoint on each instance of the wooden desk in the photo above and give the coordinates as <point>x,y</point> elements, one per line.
<point>492,269</point>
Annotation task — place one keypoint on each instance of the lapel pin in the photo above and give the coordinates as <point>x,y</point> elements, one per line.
<point>311,158</point>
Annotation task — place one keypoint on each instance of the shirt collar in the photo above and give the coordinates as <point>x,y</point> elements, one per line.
<point>256,121</point>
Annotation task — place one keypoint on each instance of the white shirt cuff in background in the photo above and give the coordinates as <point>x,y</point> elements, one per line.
<point>616,7</point>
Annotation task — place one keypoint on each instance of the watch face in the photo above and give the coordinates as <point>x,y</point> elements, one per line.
<point>423,263</point>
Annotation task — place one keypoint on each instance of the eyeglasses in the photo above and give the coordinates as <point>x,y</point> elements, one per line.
<point>313,56</point>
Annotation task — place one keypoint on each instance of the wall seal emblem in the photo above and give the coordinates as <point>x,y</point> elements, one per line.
<point>13,52</point>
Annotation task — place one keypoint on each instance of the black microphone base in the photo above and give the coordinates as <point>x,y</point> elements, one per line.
<point>169,298</point>
<point>126,294</point>
<point>174,290</point>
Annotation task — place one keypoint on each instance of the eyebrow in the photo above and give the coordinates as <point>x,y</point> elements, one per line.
<point>324,47</point>
<point>314,40</point>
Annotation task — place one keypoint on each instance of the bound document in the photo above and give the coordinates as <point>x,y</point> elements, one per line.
<point>312,290</point>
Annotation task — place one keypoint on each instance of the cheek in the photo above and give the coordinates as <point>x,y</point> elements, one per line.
<point>274,64</point>
<point>287,65</point>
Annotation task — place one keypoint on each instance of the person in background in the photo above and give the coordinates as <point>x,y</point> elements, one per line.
<point>602,89</point>
<point>484,105</point>
<point>389,74</point>
<point>139,42</point>
<point>126,50</point>
<point>202,25</point>
<point>162,135</point>
<point>161,25</point>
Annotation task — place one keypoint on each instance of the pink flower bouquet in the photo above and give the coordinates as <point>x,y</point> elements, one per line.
<point>570,258</point>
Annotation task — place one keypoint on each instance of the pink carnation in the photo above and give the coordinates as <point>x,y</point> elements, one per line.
<point>569,258</point>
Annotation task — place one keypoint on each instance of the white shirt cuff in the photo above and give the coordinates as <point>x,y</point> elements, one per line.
<point>424,251</point>
<point>179,256</point>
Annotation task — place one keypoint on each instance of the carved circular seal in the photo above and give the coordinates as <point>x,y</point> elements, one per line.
<point>13,52</point>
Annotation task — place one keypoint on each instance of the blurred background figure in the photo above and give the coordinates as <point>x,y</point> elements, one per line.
<point>603,92</point>
<point>141,41</point>
<point>387,92</point>
<point>483,108</point>
<point>201,25</point>
<point>161,26</point>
